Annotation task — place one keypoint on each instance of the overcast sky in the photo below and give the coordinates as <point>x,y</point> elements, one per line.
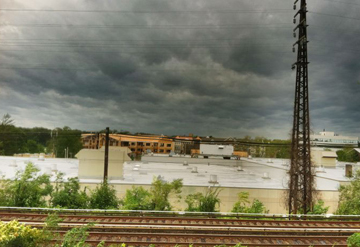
<point>207,67</point>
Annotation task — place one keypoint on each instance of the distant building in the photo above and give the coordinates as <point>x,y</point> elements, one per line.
<point>137,144</point>
<point>330,139</point>
<point>184,144</point>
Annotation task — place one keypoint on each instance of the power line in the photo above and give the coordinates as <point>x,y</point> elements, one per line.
<point>245,26</point>
<point>225,11</point>
<point>333,15</point>
<point>344,2</point>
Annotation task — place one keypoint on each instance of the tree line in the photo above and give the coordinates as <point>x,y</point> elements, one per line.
<point>16,140</point>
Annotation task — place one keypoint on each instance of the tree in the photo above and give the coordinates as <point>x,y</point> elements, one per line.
<point>199,202</point>
<point>348,155</point>
<point>33,147</point>
<point>137,198</point>
<point>243,205</point>
<point>13,138</point>
<point>27,189</point>
<point>65,138</point>
<point>7,121</point>
<point>160,191</point>
<point>68,194</point>
<point>349,199</point>
<point>104,197</point>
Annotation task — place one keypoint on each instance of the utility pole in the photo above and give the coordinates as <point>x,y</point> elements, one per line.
<point>301,184</point>
<point>106,161</point>
<point>97,140</point>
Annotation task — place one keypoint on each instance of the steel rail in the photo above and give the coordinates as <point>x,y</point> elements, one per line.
<point>214,239</point>
<point>185,221</point>
<point>178,213</point>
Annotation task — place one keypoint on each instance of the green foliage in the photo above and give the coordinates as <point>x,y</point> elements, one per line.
<point>160,191</point>
<point>27,189</point>
<point>13,138</point>
<point>349,199</point>
<point>14,234</point>
<point>137,199</point>
<point>32,147</point>
<point>76,237</point>
<point>104,197</point>
<point>193,202</point>
<point>68,194</point>
<point>319,208</point>
<point>354,240</point>
<point>199,202</point>
<point>243,205</point>
<point>348,155</point>
<point>65,138</point>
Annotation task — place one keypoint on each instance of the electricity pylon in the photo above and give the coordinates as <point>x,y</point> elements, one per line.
<point>301,183</point>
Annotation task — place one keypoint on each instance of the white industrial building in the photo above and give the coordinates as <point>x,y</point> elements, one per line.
<point>333,140</point>
<point>264,179</point>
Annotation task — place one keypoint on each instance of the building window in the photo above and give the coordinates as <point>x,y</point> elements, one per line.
<point>155,144</point>
<point>161,150</point>
<point>133,144</point>
<point>168,145</point>
<point>139,150</point>
<point>168,151</point>
<point>148,144</point>
<point>162,144</point>
<point>133,150</point>
<point>155,150</point>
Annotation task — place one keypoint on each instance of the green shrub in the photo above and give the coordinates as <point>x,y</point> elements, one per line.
<point>27,189</point>
<point>243,205</point>
<point>137,198</point>
<point>14,234</point>
<point>349,199</point>
<point>354,240</point>
<point>104,197</point>
<point>68,194</point>
<point>199,202</point>
<point>160,191</point>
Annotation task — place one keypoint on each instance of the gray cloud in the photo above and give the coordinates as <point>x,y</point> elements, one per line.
<point>181,67</point>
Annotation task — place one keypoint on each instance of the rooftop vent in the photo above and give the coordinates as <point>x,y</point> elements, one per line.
<point>137,166</point>
<point>13,164</point>
<point>213,179</point>
<point>47,171</point>
<point>221,147</point>
<point>41,157</point>
<point>135,169</point>
<point>194,170</point>
<point>321,169</point>
<point>269,161</point>
<point>249,157</point>
<point>266,175</point>
<point>348,171</point>
<point>54,167</point>
<point>185,163</point>
<point>240,169</point>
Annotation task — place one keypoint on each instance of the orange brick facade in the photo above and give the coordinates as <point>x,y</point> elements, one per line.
<point>137,144</point>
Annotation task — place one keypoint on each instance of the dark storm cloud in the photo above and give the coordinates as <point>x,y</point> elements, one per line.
<point>181,67</point>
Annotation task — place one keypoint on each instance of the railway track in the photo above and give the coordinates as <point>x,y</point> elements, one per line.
<point>199,231</point>
<point>185,221</point>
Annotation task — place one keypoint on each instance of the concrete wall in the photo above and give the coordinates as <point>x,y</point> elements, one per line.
<point>273,199</point>
<point>91,162</point>
<point>323,158</point>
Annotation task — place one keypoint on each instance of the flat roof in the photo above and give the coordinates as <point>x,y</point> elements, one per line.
<point>256,173</point>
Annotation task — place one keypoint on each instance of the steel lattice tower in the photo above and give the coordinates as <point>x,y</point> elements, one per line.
<point>301,182</point>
